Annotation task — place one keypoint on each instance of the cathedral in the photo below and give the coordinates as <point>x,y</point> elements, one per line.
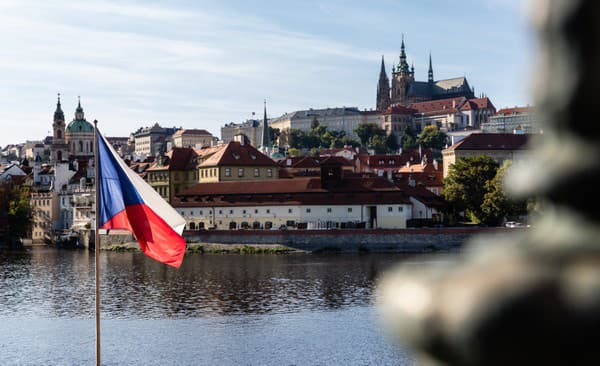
<point>75,140</point>
<point>405,90</point>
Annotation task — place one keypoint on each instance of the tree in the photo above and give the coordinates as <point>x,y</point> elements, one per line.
<point>432,137</point>
<point>409,138</point>
<point>366,131</point>
<point>15,207</point>
<point>296,138</point>
<point>378,144</point>
<point>465,186</point>
<point>274,134</point>
<point>392,142</point>
<point>496,204</point>
<point>294,152</point>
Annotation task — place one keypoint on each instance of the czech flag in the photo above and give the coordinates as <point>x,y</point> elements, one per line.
<point>128,202</point>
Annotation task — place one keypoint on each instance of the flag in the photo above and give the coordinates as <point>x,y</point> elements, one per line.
<point>127,202</point>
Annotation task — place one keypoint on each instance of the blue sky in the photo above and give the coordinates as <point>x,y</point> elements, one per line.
<point>201,64</point>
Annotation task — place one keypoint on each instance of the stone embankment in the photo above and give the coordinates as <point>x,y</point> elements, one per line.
<point>347,240</point>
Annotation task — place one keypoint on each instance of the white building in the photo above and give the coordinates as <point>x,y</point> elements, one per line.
<point>302,203</point>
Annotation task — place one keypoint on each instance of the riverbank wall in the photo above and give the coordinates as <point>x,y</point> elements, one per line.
<point>346,240</point>
<point>396,240</point>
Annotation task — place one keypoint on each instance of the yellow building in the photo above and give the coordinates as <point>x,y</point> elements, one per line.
<point>173,173</point>
<point>192,138</point>
<point>237,161</point>
<point>45,212</point>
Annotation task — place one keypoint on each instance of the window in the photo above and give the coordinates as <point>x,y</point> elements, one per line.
<point>201,213</point>
<point>255,211</point>
<point>228,172</point>
<point>308,210</point>
<point>268,210</point>
<point>256,172</point>
<point>220,212</point>
<point>349,209</point>
<point>244,212</point>
<point>400,208</point>
<point>240,172</point>
<point>231,212</point>
<point>269,172</point>
<point>289,210</point>
<point>329,210</point>
<point>390,209</point>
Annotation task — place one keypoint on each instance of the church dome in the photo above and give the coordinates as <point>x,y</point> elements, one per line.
<point>80,125</point>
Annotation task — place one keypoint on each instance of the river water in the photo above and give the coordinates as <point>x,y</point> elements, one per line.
<point>304,309</point>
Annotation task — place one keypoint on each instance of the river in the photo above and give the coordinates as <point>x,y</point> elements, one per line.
<point>299,309</point>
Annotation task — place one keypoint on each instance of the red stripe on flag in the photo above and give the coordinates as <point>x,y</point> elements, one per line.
<point>156,238</point>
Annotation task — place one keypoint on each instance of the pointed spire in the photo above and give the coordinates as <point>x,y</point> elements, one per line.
<point>79,110</point>
<point>266,140</point>
<point>58,114</point>
<point>403,65</point>
<point>412,68</point>
<point>382,72</point>
<point>430,72</point>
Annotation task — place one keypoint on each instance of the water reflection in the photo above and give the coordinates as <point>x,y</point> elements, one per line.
<point>46,282</point>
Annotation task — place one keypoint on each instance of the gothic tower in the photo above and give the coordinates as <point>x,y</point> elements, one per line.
<point>59,148</point>
<point>402,77</point>
<point>383,89</point>
<point>430,72</point>
<point>265,142</point>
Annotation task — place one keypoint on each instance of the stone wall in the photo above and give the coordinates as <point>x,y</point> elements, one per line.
<point>402,240</point>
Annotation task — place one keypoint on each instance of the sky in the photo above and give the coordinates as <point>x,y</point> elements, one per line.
<point>201,64</point>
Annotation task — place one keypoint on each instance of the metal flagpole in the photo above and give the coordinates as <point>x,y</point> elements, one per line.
<point>97,244</point>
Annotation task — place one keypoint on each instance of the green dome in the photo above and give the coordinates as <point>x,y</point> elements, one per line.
<point>80,125</point>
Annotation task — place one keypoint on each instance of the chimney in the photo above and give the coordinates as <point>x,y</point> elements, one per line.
<point>435,164</point>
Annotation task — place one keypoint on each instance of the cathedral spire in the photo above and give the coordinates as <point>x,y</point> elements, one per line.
<point>430,72</point>
<point>383,88</point>
<point>266,140</point>
<point>403,65</point>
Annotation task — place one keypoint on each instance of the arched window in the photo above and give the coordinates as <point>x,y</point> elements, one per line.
<point>59,155</point>
<point>80,146</point>
<point>58,134</point>
<point>192,226</point>
<point>268,225</point>
<point>245,225</point>
<point>232,225</point>
<point>256,225</point>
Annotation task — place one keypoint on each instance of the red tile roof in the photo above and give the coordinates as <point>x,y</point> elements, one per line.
<point>191,132</point>
<point>236,154</point>
<point>291,191</point>
<point>515,110</point>
<point>492,141</point>
<point>398,109</point>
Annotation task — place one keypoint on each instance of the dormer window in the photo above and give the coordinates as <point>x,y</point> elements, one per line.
<point>235,156</point>
<point>252,156</point>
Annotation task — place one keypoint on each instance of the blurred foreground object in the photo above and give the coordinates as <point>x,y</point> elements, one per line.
<point>532,297</point>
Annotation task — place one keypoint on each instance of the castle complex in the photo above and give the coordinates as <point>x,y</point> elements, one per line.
<point>405,90</point>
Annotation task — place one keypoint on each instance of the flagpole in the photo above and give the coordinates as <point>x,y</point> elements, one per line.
<point>97,244</point>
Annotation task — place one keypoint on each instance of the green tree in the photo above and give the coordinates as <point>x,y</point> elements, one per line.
<point>15,207</point>
<point>294,152</point>
<point>379,144</point>
<point>409,138</point>
<point>392,142</point>
<point>366,131</point>
<point>296,138</point>
<point>465,186</point>
<point>274,134</point>
<point>496,204</point>
<point>432,137</point>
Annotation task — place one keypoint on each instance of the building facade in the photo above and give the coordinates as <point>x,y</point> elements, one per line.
<point>517,119</point>
<point>498,146</point>
<point>192,138</point>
